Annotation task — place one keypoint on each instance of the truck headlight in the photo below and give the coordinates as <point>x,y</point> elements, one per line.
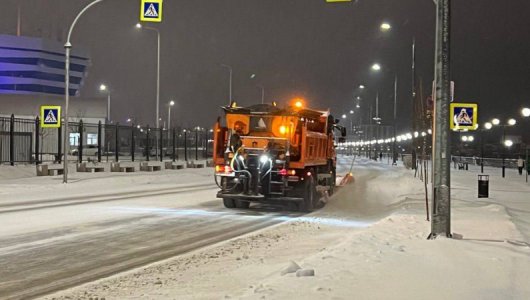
<point>264,159</point>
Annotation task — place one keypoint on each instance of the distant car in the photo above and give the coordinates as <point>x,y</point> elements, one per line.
<point>90,150</point>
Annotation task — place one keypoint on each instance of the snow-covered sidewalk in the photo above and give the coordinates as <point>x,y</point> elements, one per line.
<point>368,243</point>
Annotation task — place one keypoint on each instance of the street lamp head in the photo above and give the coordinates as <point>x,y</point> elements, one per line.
<point>376,67</point>
<point>344,116</point>
<point>252,76</point>
<point>102,87</point>
<point>488,125</point>
<point>351,112</point>
<point>508,143</point>
<point>526,112</point>
<point>385,27</point>
<point>138,26</point>
<point>171,103</point>
<point>361,87</point>
<point>358,106</point>
<point>512,122</point>
<point>495,121</point>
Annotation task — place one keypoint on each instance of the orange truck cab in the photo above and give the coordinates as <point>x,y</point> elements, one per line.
<point>271,155</point>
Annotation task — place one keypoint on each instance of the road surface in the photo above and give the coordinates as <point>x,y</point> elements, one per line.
<point>48,245</point>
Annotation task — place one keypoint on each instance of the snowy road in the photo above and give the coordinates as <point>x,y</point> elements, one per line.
<point>55,236</point>
<point>49,244</point>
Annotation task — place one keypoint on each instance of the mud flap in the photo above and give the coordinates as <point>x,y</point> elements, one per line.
<point>322,196</point>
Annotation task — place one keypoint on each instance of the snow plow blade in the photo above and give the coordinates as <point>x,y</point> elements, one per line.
<point>345,180</point>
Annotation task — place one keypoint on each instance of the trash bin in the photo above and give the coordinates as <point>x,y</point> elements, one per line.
<point>483,186</point>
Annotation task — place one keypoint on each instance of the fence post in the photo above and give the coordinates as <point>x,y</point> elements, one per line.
<point>185,145</point>
<point>177,142</point>
<point>37,140</point>
<point>12,140</point>
<point>99,140</point>
<point>173,143</point>
<point>197,144</point>
<point>80,146</point>
<point>59,144</point>
<point>132,142</point>
<point>161,133</point>
<point>147,150</point>
<point>117,145</point>
<point>205,144</point>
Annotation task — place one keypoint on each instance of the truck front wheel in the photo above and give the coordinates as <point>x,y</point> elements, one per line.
<point>242,204</point>
<point>229,203</point>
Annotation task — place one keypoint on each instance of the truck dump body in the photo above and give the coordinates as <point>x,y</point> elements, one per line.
<point>273,155</point>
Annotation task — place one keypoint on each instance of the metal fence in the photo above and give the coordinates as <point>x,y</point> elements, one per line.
<point>24,141</point>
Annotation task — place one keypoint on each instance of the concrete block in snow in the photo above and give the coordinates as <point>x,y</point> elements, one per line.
<point>293,267</point>
<point>305,272</point>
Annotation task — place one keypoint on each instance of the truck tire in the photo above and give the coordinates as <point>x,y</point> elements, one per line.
<point>310,192</point>
<point>229,203</point>
<point>242,204</point>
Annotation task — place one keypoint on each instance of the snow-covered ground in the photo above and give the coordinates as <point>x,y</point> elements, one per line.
<point>369,242</point>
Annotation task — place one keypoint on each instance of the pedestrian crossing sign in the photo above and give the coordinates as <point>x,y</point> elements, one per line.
<point>464,116</point>
<point>151,11</point>
<point>50,116</point>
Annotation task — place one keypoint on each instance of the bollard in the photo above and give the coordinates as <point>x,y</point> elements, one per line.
<point>483,186</point>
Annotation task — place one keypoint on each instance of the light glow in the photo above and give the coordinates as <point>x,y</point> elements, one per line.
<point>385,27</point>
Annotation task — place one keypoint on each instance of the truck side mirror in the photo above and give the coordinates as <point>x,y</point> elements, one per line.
<point>337,121</point>
<point>343,131</point>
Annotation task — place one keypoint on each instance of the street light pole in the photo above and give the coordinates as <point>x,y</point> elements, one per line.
<point>68,47</point>
<point>262,93</point>
<point>106,89</point>
<point>140,26</point>
<point>395,115</point>
<point>441,211</point>
<point>108,106</point>
<point>503,150</point>
<point>229,83</point>
<point>171,103</point>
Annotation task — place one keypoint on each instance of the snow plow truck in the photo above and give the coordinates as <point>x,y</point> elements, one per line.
<point>268,154</point>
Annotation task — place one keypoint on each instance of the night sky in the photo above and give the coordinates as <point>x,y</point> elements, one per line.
<point>297,48</point>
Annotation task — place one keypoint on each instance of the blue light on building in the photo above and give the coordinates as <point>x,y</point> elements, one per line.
<point>36,66</point>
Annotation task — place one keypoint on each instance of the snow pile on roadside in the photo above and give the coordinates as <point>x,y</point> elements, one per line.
<point>368,243</point>
<point>46,187</point>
